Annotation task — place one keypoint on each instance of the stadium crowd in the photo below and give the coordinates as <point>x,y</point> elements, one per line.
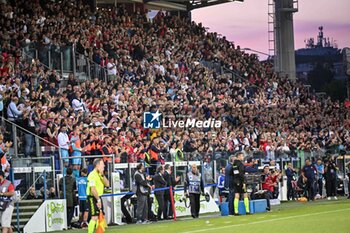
<point>152,65</point>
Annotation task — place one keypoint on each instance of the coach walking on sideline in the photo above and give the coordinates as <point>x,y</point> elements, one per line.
<point>7,192</point>
<point>193,188</point>
<point>143,189</point>
<point>229,185</point>
<point>95,187</point>
<point>309,174</point>
<point>159,182</point>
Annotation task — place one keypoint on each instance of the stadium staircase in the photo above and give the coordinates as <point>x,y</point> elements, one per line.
<point>26,210</point>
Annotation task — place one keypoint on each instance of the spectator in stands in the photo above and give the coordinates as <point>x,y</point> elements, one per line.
<point>76,151</point>
<point>4,148</point>
<point>52,193</point>
<point>13,113</point>
<point>70,187</point>
<point>309,175</point>
<point>63,143</point>
<point>32,194</point>
<point>112,70</point>
<point>252,165</point>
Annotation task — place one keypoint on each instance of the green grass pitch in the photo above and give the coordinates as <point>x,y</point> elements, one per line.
<point>313,217</point>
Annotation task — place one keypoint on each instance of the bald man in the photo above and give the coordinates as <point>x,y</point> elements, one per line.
<point>193,188</point>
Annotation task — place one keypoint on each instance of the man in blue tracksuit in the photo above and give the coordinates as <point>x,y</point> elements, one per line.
<point>229,184</point>
<point>221,182</point>
<point>320,171</point>
<point>309,174</point>
<point>81,184</point>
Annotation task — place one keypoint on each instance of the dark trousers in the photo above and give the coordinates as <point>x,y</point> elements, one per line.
<point>231,197</point>
<point>168,211</point>
<point>142,207</point>
<point>70,213</point>
<point>320,186</point>
<point>268,197</point>
<point>310,188</point>
<point>161,209</point>
<point>290,191</point>
<point>195,204</point>
<point>331,187</point>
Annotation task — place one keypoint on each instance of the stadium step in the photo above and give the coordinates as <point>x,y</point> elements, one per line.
<point>21,220</point>
<point>26,209</point>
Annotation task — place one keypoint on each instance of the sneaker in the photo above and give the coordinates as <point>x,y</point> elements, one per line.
<point>335,198</point>
<point>139,222</point>
<point>237,214</point>
<point>146,222</point>
<point>84,225</point>
<point>328,198</point>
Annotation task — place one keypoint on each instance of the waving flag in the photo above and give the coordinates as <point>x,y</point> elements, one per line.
<point>101,223</point>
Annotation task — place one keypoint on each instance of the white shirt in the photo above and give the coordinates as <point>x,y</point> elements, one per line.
<point>78,105</point>
<point>63,140</point>
<point>111,69</point>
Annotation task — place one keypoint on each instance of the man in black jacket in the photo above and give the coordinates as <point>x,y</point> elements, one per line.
<point>159,182</point>
<point>229,185</point>
<point>70,185</point>
<point>239,182</point>
<point>171,181</point>
<point>330,170</point>
<point>143,189</point>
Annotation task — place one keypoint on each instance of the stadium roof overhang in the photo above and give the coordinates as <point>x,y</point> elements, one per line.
<point>178,5</point>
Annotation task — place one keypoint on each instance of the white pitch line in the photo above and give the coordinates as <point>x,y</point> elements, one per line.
<point>268,220</point>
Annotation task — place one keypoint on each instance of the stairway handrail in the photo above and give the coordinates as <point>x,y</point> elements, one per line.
<point>22,51</point>
<point>27,131</point>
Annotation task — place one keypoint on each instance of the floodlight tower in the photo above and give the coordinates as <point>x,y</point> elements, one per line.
<point>281,35</point>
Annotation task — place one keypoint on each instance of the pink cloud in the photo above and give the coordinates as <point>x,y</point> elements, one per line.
<point>246,23</point>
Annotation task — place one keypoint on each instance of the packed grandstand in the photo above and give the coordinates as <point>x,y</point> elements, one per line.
<point>168,64</point>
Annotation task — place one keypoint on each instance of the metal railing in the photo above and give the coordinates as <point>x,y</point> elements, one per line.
<point>50,57</point>
<point>84,64</point>
<point>64,60</point>
<point>17,134</point>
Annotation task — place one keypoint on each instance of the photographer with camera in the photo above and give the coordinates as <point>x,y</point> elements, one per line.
<point>193,188</point>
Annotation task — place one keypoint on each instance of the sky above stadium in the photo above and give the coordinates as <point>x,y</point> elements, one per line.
<point>246,23</point>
